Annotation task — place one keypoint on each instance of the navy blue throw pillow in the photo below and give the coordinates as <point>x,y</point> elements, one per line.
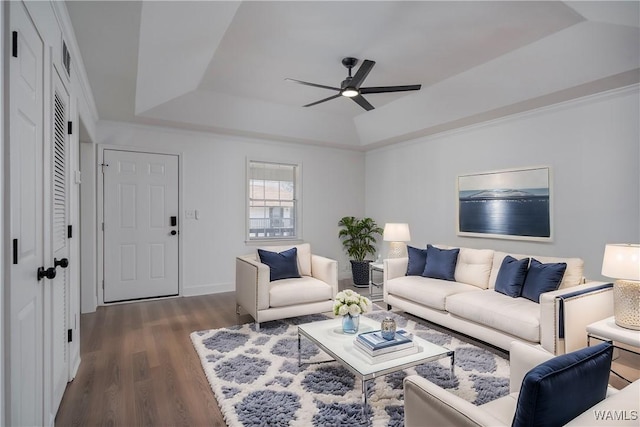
<point>558,390</point>
<point>511,276</point>
<point>417,260</point>
<point>441,263</point>
<point>542,278</point>
<point>282,265</point>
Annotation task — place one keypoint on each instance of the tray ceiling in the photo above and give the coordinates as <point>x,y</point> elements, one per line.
<point>221,66</point>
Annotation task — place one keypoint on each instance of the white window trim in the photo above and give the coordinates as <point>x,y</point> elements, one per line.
<point>298,197</point>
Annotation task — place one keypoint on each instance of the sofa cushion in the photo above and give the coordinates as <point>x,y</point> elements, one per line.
<point>304,256</point>
<point>429,292</point>
<point>417,260</point>
<point>558,390</point>
<point>498,257</point>
<point>542,278</point>
<point>303,290</point>
<point>474,266</point>
<point>502,409</point>
<point>573,276</point>
<point>282,265</point>
<point>511,276</point>
<point>516,316</point>
<point>441,263</point>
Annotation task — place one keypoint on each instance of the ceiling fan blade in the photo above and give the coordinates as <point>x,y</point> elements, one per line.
<point>323,100</point>
<point>313,84</point>
<point>362,73</point>
<point>363,102</point>
<point>385,89</point>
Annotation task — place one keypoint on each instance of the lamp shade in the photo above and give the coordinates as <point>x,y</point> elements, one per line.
<point>396,232</point>
<point>621,261</point>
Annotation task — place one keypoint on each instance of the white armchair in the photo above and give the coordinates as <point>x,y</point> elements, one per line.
<point>264,300</point>
<point>427,404</point>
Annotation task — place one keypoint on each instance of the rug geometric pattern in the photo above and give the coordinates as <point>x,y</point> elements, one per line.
<point>257,382</point>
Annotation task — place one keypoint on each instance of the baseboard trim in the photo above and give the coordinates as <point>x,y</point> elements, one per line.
<point>212,288</point>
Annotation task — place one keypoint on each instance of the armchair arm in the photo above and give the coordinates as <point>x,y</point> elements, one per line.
<point>252,284</point>
<point>522,358</point>
<point>426,404</point>
<point>565,314</point>
<point>325,269</point>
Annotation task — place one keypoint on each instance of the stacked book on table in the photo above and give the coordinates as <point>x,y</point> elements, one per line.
<point>380,349</point>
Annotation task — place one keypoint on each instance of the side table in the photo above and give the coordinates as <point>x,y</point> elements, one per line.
<point>622,338</point>
<point>376,281</point>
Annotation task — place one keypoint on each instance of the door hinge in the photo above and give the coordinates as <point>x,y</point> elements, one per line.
<point>70,128</point>
<point>14,44</point>
<point>69,335</point>
<point>69,231</point>
<point>103,284</point>
<point>15,251</point>
<point>103,226</point>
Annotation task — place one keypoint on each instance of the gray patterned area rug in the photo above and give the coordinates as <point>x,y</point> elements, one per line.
<point>257,382</point>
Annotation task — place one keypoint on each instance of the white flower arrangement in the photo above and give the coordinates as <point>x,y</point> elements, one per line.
<point>350,302</point>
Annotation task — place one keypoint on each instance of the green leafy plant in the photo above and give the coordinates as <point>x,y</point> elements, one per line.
<point>358,236</point>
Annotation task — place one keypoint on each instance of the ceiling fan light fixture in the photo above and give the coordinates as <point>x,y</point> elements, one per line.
<point>350,92</point>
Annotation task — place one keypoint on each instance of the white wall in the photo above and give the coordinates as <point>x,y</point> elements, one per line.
<point>213,181</point>
<point>3,226</point>
<point>88,228</point>
<point>592,146</point>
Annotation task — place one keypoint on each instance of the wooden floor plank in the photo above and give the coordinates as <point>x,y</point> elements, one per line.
<point>146,410</point>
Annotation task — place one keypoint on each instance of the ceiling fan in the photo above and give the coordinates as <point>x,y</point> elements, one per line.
<point>350,87</point>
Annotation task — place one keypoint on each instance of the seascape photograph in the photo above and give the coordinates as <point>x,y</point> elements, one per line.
<point>507,204</point>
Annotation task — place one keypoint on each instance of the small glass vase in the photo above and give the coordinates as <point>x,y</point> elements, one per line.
<point>350,324</point>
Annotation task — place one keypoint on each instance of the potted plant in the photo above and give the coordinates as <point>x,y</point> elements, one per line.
<point>358,239</point>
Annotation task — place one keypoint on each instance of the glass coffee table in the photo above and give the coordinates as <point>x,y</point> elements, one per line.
<point>328,336</point>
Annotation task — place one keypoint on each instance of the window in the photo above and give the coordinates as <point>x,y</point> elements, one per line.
<point>273,201</point>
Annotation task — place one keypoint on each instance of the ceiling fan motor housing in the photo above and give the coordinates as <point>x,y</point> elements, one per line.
<point>349,62</point>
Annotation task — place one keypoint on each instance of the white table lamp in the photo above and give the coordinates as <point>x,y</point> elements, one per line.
<point>396,234</point>
<point>621,261</point>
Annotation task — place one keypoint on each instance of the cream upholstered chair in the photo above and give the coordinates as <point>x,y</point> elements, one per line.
<point>265,300</point>
<point>426,404</point>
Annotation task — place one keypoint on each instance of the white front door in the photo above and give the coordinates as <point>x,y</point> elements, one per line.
<point>140,225</point>
<point>55,298</point>
<point>26,155</point>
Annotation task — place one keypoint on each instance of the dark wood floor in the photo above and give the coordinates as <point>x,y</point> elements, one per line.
<point>139,367</point>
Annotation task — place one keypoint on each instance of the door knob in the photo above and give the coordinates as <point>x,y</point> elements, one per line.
<point>49,273</point>
<point>174,232</point>
<point>64,262</point>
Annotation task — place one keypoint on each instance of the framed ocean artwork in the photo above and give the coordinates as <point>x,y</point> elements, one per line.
<point>507,204</point>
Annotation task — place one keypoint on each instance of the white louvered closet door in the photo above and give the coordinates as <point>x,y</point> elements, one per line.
<point>56,294</point>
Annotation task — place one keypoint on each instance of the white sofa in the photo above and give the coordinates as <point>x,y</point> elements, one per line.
<point>426,404</point>
<point>471,306</point>
<point>265,300</point>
